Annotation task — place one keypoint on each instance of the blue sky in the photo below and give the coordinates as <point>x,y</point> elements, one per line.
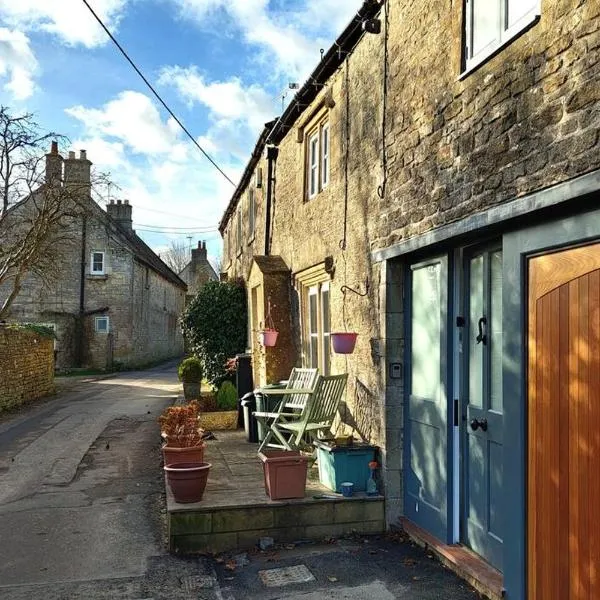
<point>221,65</point>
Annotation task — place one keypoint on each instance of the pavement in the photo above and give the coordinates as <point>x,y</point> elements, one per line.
<point>82,516</point>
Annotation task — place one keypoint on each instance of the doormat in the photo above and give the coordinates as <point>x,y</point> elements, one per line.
<point>286,575</point>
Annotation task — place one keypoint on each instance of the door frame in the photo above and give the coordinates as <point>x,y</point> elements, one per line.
<point>519,246</point>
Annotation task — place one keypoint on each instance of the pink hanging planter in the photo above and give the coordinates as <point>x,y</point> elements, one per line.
<point>343,343</point>
<point>268,337</point>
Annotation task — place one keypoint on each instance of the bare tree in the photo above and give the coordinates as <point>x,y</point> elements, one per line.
<point>37,207</point>
<point>177,256</point>
<point>217,262</point>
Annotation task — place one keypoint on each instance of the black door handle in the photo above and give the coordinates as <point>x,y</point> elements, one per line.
<point>482,337</point>
<point>477,424</point>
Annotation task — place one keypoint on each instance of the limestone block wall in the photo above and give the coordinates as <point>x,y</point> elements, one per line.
<point>26,367</point>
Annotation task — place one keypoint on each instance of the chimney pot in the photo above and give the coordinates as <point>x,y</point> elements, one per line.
<point>71,154</point>
<point>199,245</point>
<point>54,147</point>
<point>125,201</point>
<point>83,155</point>
<point>119,202</point>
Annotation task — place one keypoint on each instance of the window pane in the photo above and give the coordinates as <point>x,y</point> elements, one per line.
<point>97,262</point>
<point>486,24</point>
<point>426,331</point>
<point>326,328</point>
<point>325,309</point>
<point>312,309</point>
<point>251,211</point>
<point>314,352</point>
<point>496,331</point>
<point>313,165</point>
<point>476,312</point>
<point>325,155</point>
<point>516,9</point>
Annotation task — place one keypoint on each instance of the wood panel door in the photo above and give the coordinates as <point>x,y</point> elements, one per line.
<point>564,425</point>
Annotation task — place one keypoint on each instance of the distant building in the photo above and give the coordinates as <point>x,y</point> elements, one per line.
<point>198,271</point>
<point>115,301</point>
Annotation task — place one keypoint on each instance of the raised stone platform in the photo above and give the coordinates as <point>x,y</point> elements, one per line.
<point>235,511</point>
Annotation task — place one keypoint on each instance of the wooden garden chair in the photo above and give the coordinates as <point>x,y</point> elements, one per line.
<point>300,384</point>
<point>294,431</point>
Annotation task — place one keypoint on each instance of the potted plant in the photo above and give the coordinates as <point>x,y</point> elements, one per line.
<point>224,415</point>
<point>190,373</point>
<point>343,342</point>
<point>180,428</point>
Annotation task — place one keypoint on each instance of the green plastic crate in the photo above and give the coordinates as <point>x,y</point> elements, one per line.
<point>339,464</point>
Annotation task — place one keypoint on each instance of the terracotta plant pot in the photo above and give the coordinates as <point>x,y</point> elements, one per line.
<point>285,473</point>
<point>174,456</point>
<point>268,337</point>
<point>343,343</point>
<point>187,481</point>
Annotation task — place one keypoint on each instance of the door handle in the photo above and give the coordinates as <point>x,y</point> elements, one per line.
<point>479,424</point>
<point>482,337</point>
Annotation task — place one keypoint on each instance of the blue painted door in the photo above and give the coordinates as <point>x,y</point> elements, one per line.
<point>426,433</point>
<point>483,408</point>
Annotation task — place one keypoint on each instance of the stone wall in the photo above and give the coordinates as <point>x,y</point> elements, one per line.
<point>26,367</point>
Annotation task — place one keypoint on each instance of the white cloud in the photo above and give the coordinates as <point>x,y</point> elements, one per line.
<point>17,63</point>
<point>293,39</point>
<point>70,20</point>
<point>229,100</point>
<point>133,119</point>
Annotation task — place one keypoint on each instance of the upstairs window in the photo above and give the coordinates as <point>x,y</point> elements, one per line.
<point>489,24</point>
<point>251,213</point>
<point>317,159</point>
<point>239,229</point>
<point>97,263</point>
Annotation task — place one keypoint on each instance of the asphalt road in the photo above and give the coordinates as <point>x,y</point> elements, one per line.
<point>82,516</point>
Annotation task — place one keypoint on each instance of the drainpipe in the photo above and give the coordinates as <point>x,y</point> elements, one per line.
<point>79,337</point>
<point>272,153</point>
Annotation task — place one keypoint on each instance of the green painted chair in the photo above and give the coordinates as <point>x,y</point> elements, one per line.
<point>300,384</point>
<point>295,431</point>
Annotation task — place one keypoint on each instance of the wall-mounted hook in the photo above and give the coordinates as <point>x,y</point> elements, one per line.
<point>346,288</point>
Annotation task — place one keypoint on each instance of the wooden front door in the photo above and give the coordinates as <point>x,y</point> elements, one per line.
<point>564,425</point>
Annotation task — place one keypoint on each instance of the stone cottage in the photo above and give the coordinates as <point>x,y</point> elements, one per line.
<point>434,187</point>
<point>198,271</point>
<point>114,301</point>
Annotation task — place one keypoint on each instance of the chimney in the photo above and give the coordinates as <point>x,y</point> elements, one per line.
<point>121,212</point>
<point>77,172</point>
<point>199,254</point>
<point>54,165</point>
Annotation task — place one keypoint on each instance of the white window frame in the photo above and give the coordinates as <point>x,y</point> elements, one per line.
<point>251,214</point>
<point>97,320</point>
<point>505,33</point>
<point>325,154</point>
<point>320,338</point>
<point>313,164</point>
<point>94,271</point>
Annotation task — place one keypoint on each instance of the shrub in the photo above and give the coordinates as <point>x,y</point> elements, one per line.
<point>190,370</point>
<point>180,425</point>
<point>227,396</point>
<point>215,325</point>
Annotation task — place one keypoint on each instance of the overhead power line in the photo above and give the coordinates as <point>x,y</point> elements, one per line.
<point>156,94</point>
<point>191,228</point>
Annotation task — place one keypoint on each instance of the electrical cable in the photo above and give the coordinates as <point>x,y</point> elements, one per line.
<point>156,94</point>
<point>161,227</point>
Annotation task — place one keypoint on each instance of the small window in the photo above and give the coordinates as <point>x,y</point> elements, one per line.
<point>239,229</point>
<point>251,213</point>
<point>97,263</point>
<point>102,324</point>
<point>313,165</point>
<point>325,155</point>
<point>489,24</point>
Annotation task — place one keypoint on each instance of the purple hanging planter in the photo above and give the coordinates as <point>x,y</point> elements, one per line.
<point>268,337</point>
<point>343,343</point>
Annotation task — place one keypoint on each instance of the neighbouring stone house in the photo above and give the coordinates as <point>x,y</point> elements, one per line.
<point>114,301</point>
<point>198,271</point>
<point>435,186</point>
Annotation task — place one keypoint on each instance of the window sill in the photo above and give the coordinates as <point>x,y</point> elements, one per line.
<point>475,64</point>
<point>97,276</point>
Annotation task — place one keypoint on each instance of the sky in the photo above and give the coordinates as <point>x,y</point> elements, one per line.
<point>221,65</point>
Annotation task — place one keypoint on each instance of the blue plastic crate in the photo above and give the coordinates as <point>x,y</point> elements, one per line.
<point>339,464</point>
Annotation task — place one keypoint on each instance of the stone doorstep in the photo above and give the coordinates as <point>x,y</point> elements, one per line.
<point>465,563</point>
<point>219,529</point>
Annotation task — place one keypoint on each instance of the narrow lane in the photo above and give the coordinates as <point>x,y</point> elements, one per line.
<point>81,494</point>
